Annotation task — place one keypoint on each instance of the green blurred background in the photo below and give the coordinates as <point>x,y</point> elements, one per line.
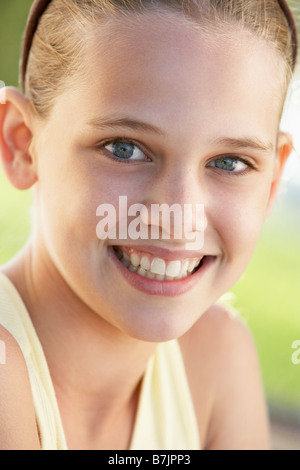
<point>268,295</point>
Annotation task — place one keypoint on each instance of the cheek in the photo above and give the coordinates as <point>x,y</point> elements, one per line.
<point>66,204</point>
<point>238,219</point>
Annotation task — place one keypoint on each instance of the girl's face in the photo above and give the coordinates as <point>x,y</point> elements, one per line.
<point>162,115</point>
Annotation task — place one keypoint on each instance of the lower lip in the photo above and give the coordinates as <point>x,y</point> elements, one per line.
<point>161,288</point>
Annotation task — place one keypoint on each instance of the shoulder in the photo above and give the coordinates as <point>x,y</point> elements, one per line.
<point>219,337</point>
<point>18,429</point>
<point>224,375</point>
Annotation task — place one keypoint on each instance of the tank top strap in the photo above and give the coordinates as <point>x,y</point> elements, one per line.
<point>166,419</point>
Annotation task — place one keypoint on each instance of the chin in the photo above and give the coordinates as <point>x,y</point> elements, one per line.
<point>159,328</point>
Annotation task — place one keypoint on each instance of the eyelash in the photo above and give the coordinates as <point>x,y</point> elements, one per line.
<point>236,158</point>
<point>124,140</point>
<point>250,166</point>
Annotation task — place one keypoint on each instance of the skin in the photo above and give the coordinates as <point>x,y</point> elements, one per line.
<point>65,275</point>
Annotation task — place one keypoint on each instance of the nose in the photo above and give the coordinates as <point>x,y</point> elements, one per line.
<point>175,206</point>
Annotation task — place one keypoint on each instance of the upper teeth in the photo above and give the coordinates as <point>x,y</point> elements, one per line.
<point>157,268</point>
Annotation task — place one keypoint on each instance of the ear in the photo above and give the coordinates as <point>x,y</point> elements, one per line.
<point>15,140</point>
<point>284,149</point>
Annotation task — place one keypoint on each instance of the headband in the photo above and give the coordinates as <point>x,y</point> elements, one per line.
<point>39,7</point>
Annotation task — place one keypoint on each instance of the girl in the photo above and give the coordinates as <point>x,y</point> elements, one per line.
<point>118,342</point>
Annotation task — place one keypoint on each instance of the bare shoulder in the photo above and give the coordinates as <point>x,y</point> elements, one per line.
<point>219,330</point>
<point>18,430</point>
<point>218,338</point>
<point>225,380</point>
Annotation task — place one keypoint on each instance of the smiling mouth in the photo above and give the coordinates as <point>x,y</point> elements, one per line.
<point>160,269</point>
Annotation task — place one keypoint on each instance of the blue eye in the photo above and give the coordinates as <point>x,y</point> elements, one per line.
<point>229,164</point>
<point>123,150</point>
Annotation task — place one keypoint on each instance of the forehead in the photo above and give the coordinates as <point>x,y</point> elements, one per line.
<point>159,67</point>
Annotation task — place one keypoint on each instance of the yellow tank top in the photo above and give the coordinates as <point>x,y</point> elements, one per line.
<point>165,417</point>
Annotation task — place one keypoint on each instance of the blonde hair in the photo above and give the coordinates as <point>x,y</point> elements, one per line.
<point>58,44</point>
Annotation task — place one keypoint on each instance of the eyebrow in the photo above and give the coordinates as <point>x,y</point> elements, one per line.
<point>124,122</point>
<point>252,143</point>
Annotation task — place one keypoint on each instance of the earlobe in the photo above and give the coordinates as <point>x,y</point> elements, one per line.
<point>284,149</point>
<point>15,139</point>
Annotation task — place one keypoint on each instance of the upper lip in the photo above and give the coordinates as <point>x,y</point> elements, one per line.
<point>165,253</point>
